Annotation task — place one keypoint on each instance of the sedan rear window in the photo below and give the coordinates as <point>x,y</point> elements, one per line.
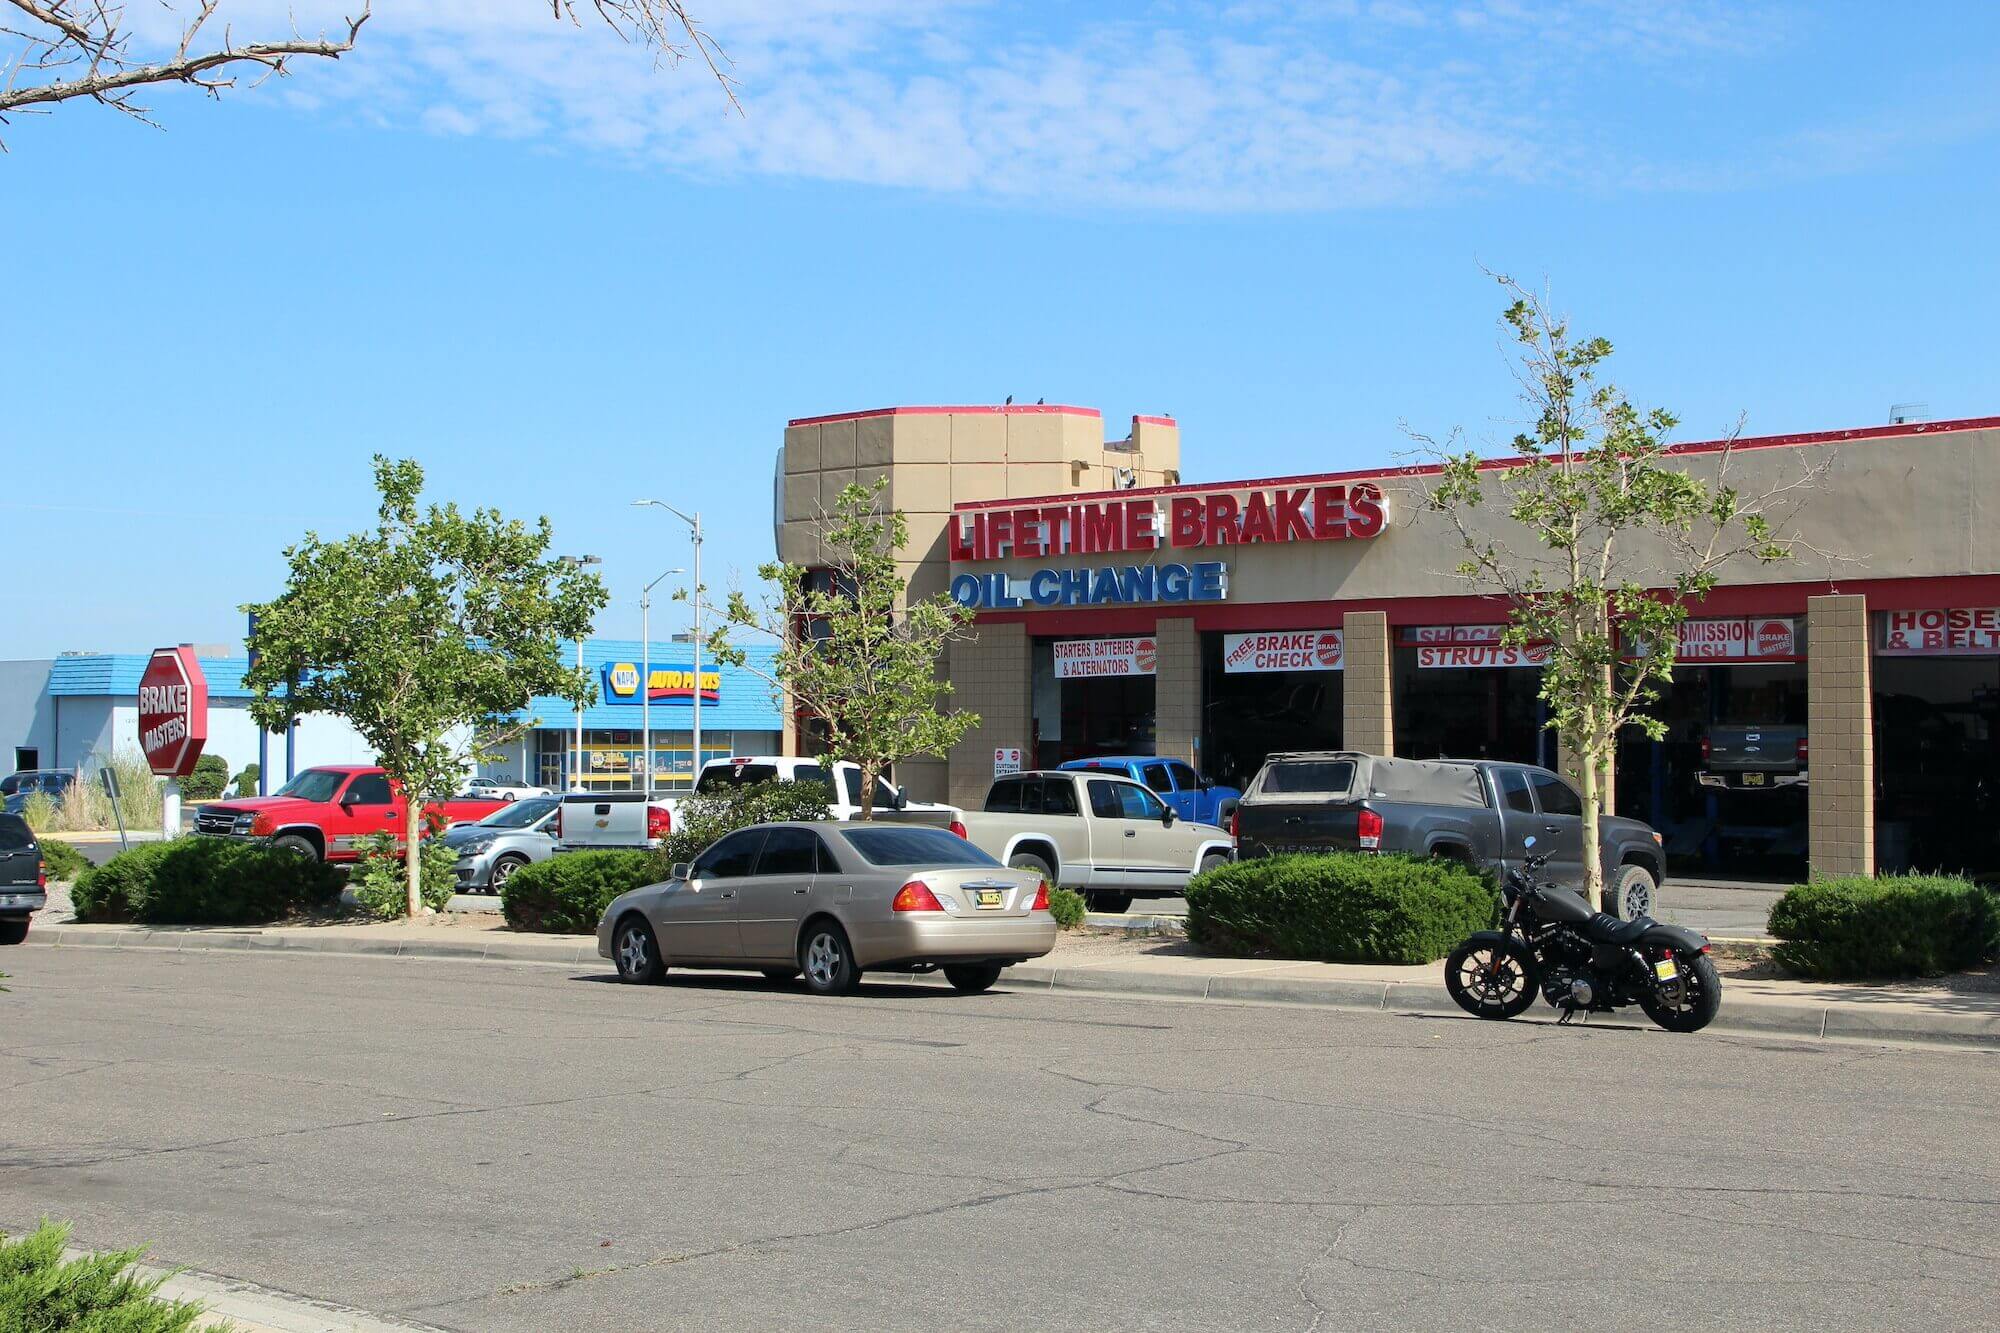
<point>907,846</point>
<point>1314,775</point>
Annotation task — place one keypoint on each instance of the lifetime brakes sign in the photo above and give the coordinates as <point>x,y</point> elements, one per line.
<point>173,711</point>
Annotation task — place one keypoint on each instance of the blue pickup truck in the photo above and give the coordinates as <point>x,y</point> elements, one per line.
<point>1193,797</point>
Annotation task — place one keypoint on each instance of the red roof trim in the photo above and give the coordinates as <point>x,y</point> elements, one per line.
<point>988,409</point>
<point>1156,421</point>
<point>1377,473</point>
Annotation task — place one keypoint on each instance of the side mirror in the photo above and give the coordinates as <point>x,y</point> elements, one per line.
<point>681,870</point>
<point>1166,816</point>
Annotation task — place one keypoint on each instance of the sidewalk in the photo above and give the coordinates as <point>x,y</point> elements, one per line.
<point>1161,967</point>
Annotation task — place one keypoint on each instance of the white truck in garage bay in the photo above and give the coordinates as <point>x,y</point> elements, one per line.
<point>1105,836</point>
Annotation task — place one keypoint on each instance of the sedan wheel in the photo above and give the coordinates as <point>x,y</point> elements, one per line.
<point>503,870</point>
<point>827,962</point>
<point>636,952</point>
<point>972,978</point>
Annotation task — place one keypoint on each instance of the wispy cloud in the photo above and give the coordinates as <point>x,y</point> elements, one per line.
<point>1197,105</point>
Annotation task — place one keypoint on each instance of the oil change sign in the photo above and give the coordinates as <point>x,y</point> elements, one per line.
<point>1283,650</point>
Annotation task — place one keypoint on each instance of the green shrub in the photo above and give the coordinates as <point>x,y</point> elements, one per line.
<point>210,776</point>
<point>39,811</point>
<point>700,820</point>
<point>64,861</point>
<point>378,877</point>
<point>202,881</point>
<point>568,893</point>
<point>1894,926</point>
<point>38,1291</point>
<point>1067,907</point>
<point>246,781</point>
<point>1343,907</point>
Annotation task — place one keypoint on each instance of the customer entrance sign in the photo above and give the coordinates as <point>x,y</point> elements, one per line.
<point>173,711</point>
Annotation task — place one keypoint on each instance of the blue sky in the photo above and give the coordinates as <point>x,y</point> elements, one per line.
<point>561,279</point>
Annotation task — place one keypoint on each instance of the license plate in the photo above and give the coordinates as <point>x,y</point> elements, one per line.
<point>1665,969</point>
<point>1753,779</point>
<point>986,898</point>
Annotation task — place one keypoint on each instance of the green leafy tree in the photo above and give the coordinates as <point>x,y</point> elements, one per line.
<point>851,649</point>
<point>1606,539</point>
<point>425,635</point>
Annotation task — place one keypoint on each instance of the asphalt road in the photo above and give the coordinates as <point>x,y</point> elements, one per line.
<point>486,1146</point>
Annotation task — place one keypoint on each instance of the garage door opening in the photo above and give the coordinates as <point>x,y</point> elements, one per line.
<point>1093,697</point>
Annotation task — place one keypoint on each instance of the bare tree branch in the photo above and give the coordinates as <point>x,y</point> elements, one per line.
<point>71,50</point>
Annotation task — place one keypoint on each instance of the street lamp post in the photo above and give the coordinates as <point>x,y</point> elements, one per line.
<point>646,679</point>
<point>694,522</point>
<point>576,767</point>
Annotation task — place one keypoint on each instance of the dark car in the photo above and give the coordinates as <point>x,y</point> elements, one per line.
<point>16,788</point>
<point>23,879</point>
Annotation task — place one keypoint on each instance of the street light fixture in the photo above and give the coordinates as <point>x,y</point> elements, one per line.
<point>646,678</point>
<point>694,523</point>
<point>576,769</point>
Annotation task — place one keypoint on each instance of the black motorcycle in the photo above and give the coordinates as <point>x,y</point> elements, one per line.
<point>1582,962</point>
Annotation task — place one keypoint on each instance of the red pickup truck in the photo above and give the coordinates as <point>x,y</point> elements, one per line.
<point>323,812</point>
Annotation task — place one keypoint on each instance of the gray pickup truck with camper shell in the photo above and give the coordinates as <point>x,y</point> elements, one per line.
<point>1476,811</point>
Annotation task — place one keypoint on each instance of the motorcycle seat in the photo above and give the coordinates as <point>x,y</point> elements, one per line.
<point>1608,929</point>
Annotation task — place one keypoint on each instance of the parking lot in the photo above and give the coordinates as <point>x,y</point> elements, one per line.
<point>486,1146</point>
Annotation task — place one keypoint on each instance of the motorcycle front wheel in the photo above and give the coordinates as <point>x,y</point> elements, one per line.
<point>1700,997</point>
<point>1492,978</point>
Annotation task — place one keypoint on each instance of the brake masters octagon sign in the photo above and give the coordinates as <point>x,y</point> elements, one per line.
<point>173,711</point>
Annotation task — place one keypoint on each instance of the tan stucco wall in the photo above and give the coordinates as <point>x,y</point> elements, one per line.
<point>1896,507</point>
<point>1840,706</point>
<point>935,459</point>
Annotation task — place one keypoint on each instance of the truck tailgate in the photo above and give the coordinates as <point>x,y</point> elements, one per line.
<point>1271,828</point>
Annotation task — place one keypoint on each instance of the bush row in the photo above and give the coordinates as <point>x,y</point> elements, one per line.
<point>203,881</point>
<point>64,861</point>
<point>1340,907</point>
<point>1853,927</point>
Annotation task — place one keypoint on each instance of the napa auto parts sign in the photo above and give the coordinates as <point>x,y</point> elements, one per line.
<point>1957,631</point>
<point>173,711</point>
<point>1077,658</point>
<point>1283,650</point>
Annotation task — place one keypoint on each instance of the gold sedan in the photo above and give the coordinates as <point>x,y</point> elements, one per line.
<point>829,901</point>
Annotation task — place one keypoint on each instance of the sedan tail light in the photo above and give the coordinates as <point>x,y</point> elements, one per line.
<point>659,823</point>
<point>959,829</point>
<point>1369,825</point>
<point>916,896</point>
<point>1802,752</point>
<point>1041,896</point>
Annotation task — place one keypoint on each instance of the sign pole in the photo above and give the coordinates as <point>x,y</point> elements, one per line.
<point>109,776</point>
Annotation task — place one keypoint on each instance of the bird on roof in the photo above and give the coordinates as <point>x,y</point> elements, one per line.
<point>1040,401</point>
<point>1010,400</point>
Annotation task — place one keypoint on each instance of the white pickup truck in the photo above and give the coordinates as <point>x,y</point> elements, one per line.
<point>1105,836</point>
<point>844,784</point>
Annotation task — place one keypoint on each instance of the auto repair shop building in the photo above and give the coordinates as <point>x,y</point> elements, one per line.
<point>1123,609</point>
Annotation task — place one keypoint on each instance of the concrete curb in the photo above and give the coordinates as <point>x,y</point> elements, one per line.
<point>253,1309</point>
<point>1907,1021</point>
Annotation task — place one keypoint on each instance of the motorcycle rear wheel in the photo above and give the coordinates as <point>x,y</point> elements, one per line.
<point>1492,980</point>
<point>1701,997</point>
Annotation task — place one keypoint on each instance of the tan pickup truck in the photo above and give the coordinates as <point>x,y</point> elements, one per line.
<point>1105,836</point>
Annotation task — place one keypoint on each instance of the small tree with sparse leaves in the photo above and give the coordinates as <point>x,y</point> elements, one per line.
<point>1620,539</point>
<point>426,635</point>
<point>862,660</point>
